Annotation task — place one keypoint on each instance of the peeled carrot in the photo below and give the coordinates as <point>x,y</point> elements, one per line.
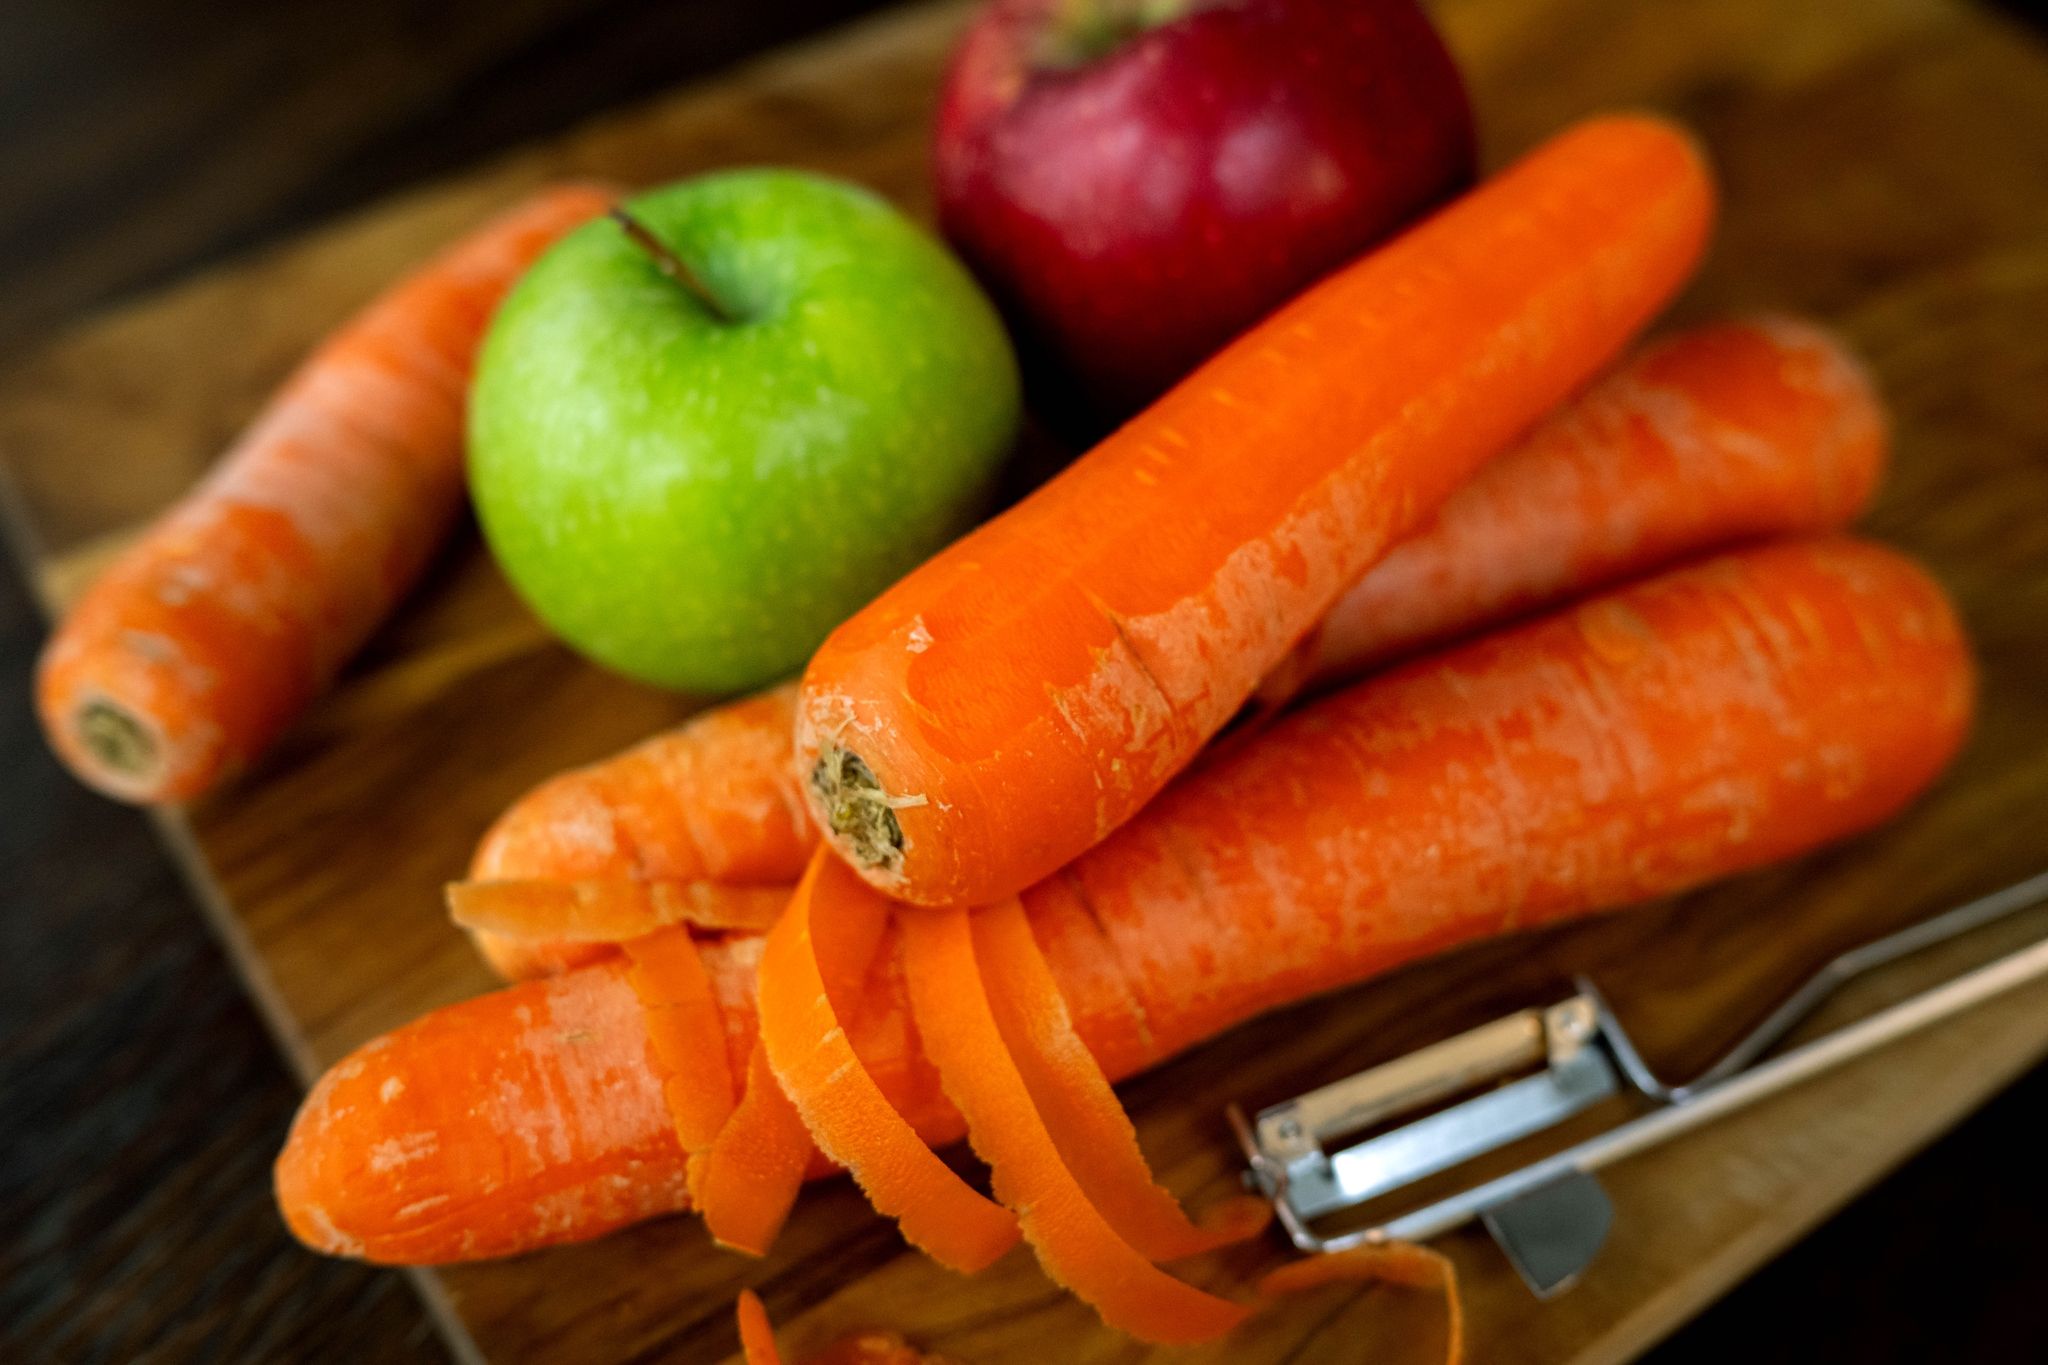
<point>1727,432</point>
<point>1008,704</point>
<point>714,800</point>
<point>202,641</point>
<point>1712,719</point>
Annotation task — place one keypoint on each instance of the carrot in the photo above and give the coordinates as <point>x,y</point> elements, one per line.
<point>526,1117</point>
<point>1712,719</point>
<point>1004,707</point>
<point>1076,1245</point>
<point>849,1117</point>
<point>610,912</point>
<point>714,800</point>
<point>203,641</point>
<point>1727,432</point>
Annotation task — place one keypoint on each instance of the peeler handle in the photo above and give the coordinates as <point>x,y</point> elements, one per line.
<point>1814,991</point>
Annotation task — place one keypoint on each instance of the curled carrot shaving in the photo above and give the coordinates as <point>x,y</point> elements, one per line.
<point>686,1030</point>
<point>1075,1244</point>
<point>747,1183</point>
<point>1402,1263</point>
<point>610,910</point>
<point>824,939</point>
<point>757,1334</point>
<point>1088,1126</point>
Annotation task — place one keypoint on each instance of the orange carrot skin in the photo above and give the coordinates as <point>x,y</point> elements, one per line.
<point>612,911</point>
<point>1707,721</point>
<point>1727,432</point>
<point>757,1334</point>
<point>1026,691</point>
<point>823,948</point>
<point>215,629</point>
<point>712,800</point>
<point>1078,1247</point>
<point>554,1130</point>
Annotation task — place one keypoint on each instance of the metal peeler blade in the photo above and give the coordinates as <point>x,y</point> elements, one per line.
<point>1550,1216</point>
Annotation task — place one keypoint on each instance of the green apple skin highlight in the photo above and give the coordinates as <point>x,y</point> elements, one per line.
<point>696,502</point>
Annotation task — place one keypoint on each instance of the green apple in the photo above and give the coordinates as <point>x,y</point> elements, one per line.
<point>704,433</point>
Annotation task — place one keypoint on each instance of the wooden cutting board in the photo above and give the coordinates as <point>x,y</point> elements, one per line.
<point>1882,165</point>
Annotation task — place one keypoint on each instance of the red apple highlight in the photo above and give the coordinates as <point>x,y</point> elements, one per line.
<point>1139,182</point>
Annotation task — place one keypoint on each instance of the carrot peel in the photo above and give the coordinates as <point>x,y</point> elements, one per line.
<point>824,939</point>
<point>686,1031</point>
<point>1087,1124</point>
<point>757,1334</point>
<point>1401,1263</point>
<point>609,910</point>
<point>1075,1244</point>
<point>748,1181</point>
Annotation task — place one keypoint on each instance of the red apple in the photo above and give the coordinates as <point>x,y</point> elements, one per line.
<point>1138,181</point>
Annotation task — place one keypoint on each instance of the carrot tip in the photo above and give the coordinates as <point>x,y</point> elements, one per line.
<point>118,739</point>
<point>858,809</point>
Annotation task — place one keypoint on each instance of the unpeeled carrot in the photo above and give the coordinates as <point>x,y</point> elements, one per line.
<point>1005,706</point>
<point>1724,432</point>
<point>203,640</point>
<point>1687,727</point>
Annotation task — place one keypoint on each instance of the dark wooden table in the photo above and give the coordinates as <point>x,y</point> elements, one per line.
<point>143,1103</point>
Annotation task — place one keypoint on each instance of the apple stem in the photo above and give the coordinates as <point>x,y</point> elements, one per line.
<point>670,264</point>
<point>1088,30</point>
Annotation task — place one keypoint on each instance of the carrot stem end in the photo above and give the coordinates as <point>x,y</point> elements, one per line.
<point>858,810</point>
<point>118,739</point>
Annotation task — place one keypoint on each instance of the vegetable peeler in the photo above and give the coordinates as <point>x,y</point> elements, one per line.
<point>1451,1104</point>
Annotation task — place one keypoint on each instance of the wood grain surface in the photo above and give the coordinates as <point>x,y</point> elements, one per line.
<point>1881,163</point>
